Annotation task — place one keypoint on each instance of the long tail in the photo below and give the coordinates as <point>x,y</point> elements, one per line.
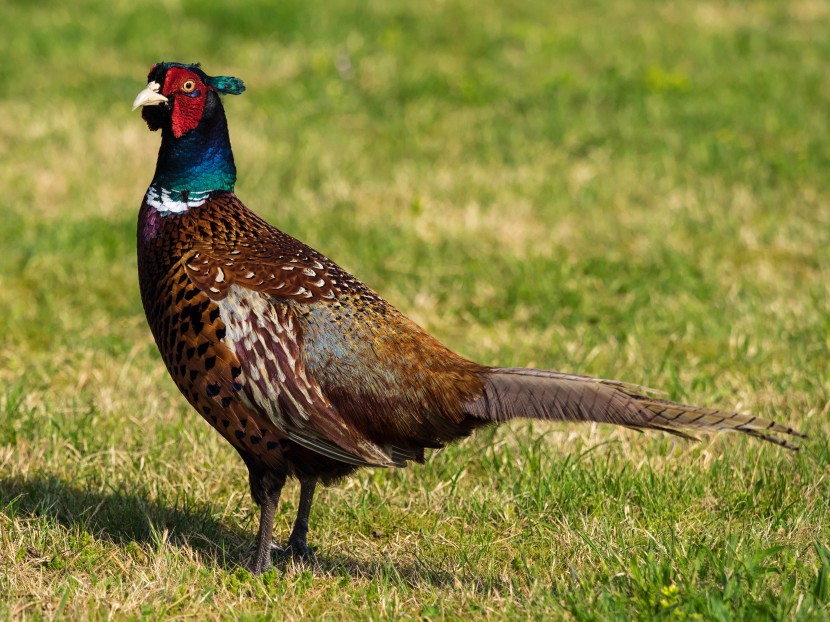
<point>511,393</point>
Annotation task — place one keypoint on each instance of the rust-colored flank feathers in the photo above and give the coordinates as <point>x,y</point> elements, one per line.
<point>301,367</point>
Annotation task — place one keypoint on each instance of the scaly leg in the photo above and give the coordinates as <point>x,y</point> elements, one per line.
<point>297,543</point>
<point>265,489</point>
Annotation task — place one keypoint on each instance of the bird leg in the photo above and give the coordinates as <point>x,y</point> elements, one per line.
<point>265,489</point>
<point>297,543</point>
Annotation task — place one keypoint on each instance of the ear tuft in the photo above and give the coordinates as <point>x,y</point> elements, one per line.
<point>226,85</point>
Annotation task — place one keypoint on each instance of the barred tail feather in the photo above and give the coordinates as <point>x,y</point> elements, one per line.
<point>511,393</point>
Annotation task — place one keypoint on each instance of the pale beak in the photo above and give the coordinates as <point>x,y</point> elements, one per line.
<point>149,96</point>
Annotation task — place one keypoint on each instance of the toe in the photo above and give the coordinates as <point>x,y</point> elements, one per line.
<point>257,567</point>
<point>298,548</point>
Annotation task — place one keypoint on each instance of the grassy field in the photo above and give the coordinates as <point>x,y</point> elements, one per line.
<point>626,189</point>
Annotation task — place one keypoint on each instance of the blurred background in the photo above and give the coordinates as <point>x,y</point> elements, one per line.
<point>625,189</point>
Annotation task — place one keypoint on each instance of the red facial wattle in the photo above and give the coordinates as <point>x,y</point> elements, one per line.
<point>188,93</point>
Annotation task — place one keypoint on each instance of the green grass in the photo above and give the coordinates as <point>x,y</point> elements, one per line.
<point>626,189</point>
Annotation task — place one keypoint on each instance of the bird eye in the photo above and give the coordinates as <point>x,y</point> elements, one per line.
<point>188,86</point>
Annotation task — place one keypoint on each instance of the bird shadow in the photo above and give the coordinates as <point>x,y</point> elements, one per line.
<point>122,516</point>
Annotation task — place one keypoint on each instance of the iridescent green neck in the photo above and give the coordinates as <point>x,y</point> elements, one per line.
<point>200,161</point>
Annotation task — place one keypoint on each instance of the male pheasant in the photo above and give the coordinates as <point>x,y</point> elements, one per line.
<point>301,367</point>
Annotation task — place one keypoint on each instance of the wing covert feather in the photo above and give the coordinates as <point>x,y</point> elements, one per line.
<point>267,339</point>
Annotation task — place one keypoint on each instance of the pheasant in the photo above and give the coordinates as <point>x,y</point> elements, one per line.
<point>302,368</point>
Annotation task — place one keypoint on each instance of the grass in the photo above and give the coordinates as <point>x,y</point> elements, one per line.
<point>626,189</point>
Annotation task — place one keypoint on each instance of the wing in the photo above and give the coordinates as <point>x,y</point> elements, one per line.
<point>379,411</point>
<point>267,339</point>
<point>232,244</point>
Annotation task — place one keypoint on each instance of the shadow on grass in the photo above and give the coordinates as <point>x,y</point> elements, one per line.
<point>123,516</point>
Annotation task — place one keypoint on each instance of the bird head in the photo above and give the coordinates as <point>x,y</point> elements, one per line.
<point>178,96</point>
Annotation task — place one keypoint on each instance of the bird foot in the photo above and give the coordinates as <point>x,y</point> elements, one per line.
<point>251,550</point>
<point>297,548</point>
<point>259,566</point>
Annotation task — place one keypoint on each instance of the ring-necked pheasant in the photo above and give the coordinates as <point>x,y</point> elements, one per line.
<point>301,367</point>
